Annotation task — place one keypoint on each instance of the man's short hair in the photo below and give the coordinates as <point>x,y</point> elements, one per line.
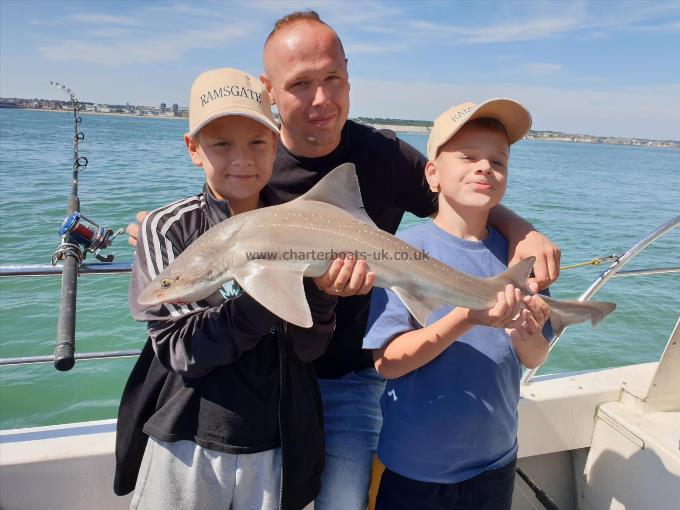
<point>294,17</point>
<point>309,16</point>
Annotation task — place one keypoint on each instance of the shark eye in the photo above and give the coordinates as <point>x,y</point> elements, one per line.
<point>165,283</point>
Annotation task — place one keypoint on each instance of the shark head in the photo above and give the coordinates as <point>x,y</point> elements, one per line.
<point>197,273</point>
<point>186,282</point>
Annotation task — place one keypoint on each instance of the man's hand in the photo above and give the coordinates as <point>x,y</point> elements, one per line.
<point>133,228</point>
<point>346,277</point>
<point>547,265</point>
<point>502,313</point>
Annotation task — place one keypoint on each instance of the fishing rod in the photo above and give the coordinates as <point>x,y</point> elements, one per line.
<point>79,236</point>
<point>540,494</point>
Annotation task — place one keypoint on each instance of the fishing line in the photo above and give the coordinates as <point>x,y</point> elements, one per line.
<point>593,262</point>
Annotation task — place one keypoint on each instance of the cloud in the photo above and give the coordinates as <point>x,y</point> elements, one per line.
<point>552,20</point>
<point>103,19</point>
<point>156,32</point>
<point>523,28</point>
<point>506,32</point>
<point>190,13</point>
<point>540,68</point>
<point>352,49</point>
<point>162,48</point>
<point>109,32</point>
<point>336,13</point>
<point>673,26</point>
<point>46,22</point>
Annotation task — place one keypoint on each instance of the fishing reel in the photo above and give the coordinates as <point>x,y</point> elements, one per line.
<point>82,235</point>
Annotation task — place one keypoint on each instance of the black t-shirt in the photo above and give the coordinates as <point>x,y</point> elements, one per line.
<point>392,180</point>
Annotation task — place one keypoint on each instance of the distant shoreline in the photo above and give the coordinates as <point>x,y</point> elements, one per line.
<point>186,119</point>
<point>109,114</point>
<point>551,136</point>
<point>423,128</point>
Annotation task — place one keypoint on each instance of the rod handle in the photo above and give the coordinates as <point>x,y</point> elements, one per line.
<point>64,357</point>
<point>66,326</point>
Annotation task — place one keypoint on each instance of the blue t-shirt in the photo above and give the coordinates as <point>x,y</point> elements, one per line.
<point>456,416</point>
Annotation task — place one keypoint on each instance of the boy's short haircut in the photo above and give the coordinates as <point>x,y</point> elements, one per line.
<point>490,124</point>
<point>512,115</point>
<point>227,91</point>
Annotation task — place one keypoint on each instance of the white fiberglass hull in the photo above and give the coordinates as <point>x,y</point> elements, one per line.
<point>586,439</point>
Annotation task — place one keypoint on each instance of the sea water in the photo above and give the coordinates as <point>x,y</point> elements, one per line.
<point>592,200</point>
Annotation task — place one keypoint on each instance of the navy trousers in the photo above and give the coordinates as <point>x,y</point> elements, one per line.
<point>490,490</point>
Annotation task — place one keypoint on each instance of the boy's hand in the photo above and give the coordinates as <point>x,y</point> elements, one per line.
<point>346,277</point>
<point>525,333</point>
<point>547,265</point>
<point>502,313</point>
<point>133,228</point>
<point>532,318</point>
<point>530,321</point>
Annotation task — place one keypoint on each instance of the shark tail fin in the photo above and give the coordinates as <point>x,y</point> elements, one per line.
<point>340,187</point>
<point>518,274</point>
<point>420,306</point>
<point>565,313</point>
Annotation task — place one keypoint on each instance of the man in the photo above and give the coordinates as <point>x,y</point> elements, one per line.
<point>306,77</point>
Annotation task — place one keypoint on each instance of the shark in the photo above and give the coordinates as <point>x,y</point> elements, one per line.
<point>269,250</point>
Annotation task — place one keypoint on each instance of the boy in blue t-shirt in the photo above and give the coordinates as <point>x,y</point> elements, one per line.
<point>449,436</point>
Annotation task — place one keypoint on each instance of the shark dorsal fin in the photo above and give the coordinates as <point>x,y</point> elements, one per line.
<point>340,187</point>
<point>518,274</point>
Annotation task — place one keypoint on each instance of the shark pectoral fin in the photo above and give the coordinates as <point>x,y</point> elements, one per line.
<point>420,306</point>
<point>340,187</point>
<point>517,274</point>
<point>557,325</point>
<point>278,287</point>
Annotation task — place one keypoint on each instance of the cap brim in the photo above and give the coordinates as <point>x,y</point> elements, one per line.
<point>515,118</point>
<point>243,112</point>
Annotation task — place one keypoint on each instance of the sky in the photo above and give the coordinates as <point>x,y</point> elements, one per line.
<point>608,68</point>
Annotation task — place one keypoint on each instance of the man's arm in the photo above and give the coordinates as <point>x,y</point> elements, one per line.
<point>524,242</point>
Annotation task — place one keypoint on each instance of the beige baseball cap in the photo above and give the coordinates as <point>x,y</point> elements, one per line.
<point>515,118</point>
<point>226,91</point>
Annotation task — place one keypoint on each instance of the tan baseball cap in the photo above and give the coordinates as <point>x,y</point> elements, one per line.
<point>226,91</point>
<point>515,118</point>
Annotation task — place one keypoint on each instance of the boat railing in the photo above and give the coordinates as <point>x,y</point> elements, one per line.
<point>37,270</point>
<point>613,271</point>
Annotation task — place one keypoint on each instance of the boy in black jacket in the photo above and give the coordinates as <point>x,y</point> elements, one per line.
<point>222,389</point>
